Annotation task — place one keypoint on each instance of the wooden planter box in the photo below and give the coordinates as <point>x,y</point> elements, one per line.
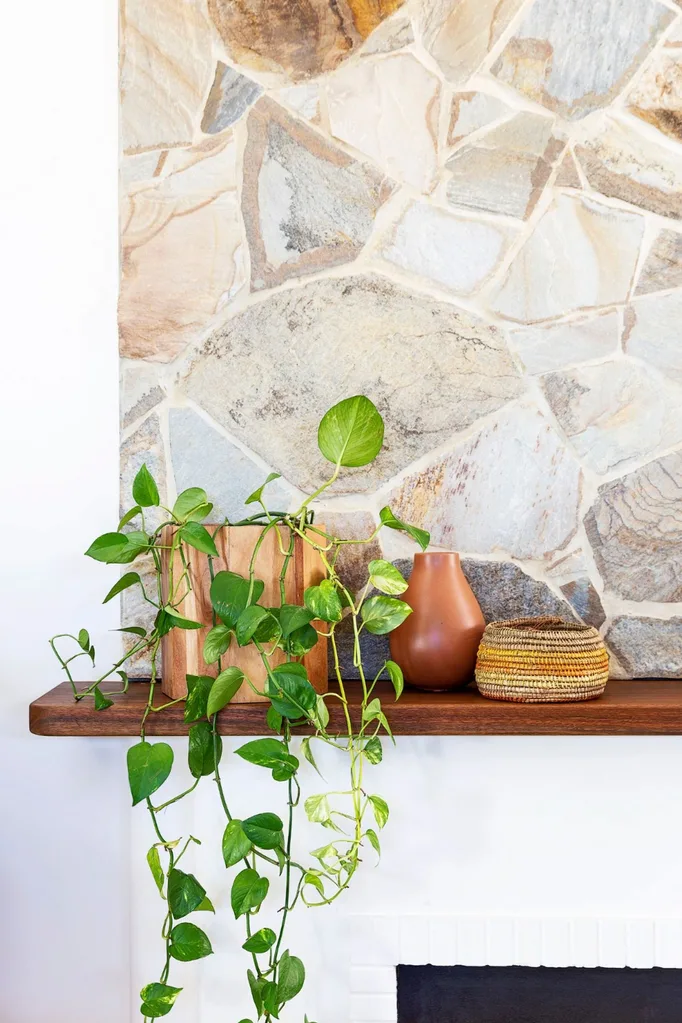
<point>182,648</point>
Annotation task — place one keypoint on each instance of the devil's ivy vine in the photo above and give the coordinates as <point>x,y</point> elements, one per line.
<point>350,434</point>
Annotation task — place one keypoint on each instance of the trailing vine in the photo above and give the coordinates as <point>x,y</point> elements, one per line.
<point>260,846</point>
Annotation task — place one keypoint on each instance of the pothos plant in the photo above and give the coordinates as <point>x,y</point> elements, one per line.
<point>260,846</point>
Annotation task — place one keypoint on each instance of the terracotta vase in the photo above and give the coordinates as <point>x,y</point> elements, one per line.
<point>436,646</point>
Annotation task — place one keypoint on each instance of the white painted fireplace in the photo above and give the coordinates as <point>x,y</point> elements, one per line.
<point>554,851</point>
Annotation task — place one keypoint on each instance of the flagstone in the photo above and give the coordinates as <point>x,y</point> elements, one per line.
<point>166,70</point>
<point>652,332</point>
<point>388,108</point>
<point>551,346</point>
<point>307,205</point>
<point>647,647</point>
<point>657,96</point>
<point>514,487</point>
<point>459,34</point>
<point>474,110</point>
<point>455,251</point>
<point>635,531</point>
<point>271,372</point>
<point>615,411</point>
<point>581,254</point>
<point>230,97</point>
<point>575,57</point>
<point>301,38</point>
<point>663,265</point>
<point>506,169</point>
<point>620,162</point>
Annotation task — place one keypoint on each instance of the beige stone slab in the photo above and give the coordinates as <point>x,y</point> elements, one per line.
<point>303,99</point>
<point>301,38</point>
<point>574,56</point>
<point>513,487</point>
<point>619,161</point>
<point>556,345</point>
<point>581,254</point>
<point>166,70</point>
<point>615,412</point>
<point>456,252</point>
<point>506,169</point>
<point>459,34</point>
<point>657,96</point>
<point>307,205</point>
<point>274,369</point>
<point>388,109</point>
<point>472,111</point>
<point>567,175</point>
<point>653,332</point>
<point>182,258</point>
<point>635,530</point>
<point>663,265</point>
<point>395,33</point>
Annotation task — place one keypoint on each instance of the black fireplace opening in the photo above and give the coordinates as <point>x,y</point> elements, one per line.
<point>543,994</point>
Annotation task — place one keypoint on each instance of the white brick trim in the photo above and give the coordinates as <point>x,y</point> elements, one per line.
<point>381,942</point>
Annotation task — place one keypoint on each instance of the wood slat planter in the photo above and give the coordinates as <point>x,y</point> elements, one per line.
<point>642,707</point>
<point>182,649</point>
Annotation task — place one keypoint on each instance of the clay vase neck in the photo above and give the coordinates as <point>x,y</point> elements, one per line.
<point>436,646</point>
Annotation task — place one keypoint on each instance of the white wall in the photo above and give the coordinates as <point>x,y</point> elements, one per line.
<point>63,806</point>
<point>491,826</point>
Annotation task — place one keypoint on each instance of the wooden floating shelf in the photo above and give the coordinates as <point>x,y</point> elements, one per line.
<point>642,707</point>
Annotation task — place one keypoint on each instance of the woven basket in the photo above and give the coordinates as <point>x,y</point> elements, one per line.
<point>541,660</point>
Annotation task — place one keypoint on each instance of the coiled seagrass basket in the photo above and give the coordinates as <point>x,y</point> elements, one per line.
<point>541,660</point>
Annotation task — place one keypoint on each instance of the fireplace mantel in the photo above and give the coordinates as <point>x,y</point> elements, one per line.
<point>642,707</point>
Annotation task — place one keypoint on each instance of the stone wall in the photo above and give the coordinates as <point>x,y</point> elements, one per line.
<point>468,210</point>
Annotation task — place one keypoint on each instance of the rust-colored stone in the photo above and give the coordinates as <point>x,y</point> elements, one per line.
<point>299,37</point>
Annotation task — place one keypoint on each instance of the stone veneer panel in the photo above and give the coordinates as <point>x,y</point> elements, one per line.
<point>615,412</point>
<point>647,647</point>
<point>299,180</point>
<point>388,109</point>
<point>458,252</point>
<point>652,332</point>
<point>513,487</point>
<point>558,269</point>
<point>635,530</point>
<point>575,56</point>
<point>307,205</point>
<point>432,369</point>
<point>299,37</point>
<point>507,168</point>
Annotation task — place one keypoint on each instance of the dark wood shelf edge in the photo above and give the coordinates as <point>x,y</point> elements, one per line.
<point>641,707</point>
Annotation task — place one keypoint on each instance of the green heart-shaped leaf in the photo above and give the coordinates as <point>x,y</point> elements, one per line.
<point>383,614</point>
<point>386,577</point>
<point>351,432</point>
<point>224,689</point>
<point>264,830</point>
<point>145,490</point>
<point>248,891</point>
<point>148,767</point>
<point>188,942</point>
